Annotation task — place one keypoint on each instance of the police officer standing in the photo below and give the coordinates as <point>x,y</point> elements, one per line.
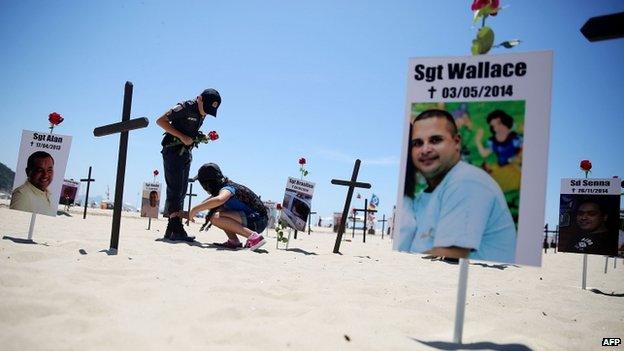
<point>181,124</point>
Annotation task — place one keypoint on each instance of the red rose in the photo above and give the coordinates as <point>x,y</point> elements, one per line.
<point>586,165</point>
<point>213,135</point>
<point>302,161</point>
<point>155,172</point>
<point>279,206</point>
<point>479,4</point>
<point>55,118</point>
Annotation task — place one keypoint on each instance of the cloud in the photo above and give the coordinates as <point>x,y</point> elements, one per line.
<point>338,156</point>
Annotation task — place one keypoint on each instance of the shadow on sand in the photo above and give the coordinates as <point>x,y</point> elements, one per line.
<point>110,252</point>
<point>613,294</point>
<point>307,253</point>
<point>22,241</point>
<point>495,266</point>
<point>206,245</point>
<point>484,345</point>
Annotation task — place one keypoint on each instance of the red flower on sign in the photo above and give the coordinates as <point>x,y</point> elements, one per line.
<point>481,4</point>
<point>279,206</point>
<point>55,119</point>
<point>304,172</point>
<point>213,135</point>
<point>586,166</point>
<point>155,172</point>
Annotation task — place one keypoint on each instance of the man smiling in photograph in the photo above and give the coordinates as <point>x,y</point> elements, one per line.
<point>33,195</point>
<point>462,213</point>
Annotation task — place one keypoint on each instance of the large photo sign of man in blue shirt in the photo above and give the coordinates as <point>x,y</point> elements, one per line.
<point>473,175</point>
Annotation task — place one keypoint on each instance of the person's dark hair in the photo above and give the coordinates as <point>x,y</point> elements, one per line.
<point>410,170</point>
<point>213,186</point>
<point>601,206</point>
<point>505,119</point>
<point>153,192</point>
<point>437,113</point>
<point>36,155</point>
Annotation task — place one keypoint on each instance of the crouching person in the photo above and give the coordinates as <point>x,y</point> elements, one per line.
<point>237,209</point>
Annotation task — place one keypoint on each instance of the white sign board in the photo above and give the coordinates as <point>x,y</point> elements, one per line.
<point>39,173</point>
<point>150,200</point>
<point>475,144</point>
<point>297,203</point>
<point>589,216</point>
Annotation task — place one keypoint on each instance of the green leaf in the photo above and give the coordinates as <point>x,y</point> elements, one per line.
<point>483,42</point>
<point>475,48</point>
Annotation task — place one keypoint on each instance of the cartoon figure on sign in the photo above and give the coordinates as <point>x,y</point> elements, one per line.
<point>506,145</point>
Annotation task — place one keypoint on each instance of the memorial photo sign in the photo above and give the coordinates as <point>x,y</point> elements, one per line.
<point>297,203</point>
<point>589,216</point>
<point>473,172</point>
<point>39,173</point>
<point>150,200</point>
<point>69,192</point>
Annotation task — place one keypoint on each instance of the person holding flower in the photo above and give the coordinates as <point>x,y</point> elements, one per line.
<point>234,208</point>
<point>181,124</point>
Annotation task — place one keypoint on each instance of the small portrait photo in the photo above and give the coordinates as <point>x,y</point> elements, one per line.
<point>337,218</point>
<point>69,192</point>
<point>463,171</point>
<point>150,200</point>
<point>589,224</point>
<point>271,208</point>
<point>295,209</point>
<point>297,203</point>
<point>39,172</point>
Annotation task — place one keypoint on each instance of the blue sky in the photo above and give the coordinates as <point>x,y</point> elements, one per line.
<point>324,80</point>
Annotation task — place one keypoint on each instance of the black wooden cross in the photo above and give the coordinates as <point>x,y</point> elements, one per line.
<point>190,196</point>
<point>366,211</point>
<point>353,217</point>
<point>604,27</point>
<point>351,184</point>
<point>122,128</point>
<point>556,232</point>
<point>310,220</point>
<point>88,180</point>
<point>383,225</point>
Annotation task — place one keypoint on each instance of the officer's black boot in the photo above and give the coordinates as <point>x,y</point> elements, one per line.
<point>178,233</point>
<point>169,229</point>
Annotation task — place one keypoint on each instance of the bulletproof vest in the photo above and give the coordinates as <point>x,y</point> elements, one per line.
<point>184,117</point>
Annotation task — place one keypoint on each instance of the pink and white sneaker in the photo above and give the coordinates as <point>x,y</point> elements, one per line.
<point>255,242</point>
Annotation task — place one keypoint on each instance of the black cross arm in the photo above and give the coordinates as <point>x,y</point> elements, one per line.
<point>87,180</point>
<point>120,127</point>
<point>347,183</point>
<point>604,27</point>
<point>363,210</point>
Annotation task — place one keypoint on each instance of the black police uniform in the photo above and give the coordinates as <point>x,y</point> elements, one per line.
<point>184,117</point>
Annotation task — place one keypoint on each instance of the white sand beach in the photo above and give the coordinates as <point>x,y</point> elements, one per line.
<point>66,293</point>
